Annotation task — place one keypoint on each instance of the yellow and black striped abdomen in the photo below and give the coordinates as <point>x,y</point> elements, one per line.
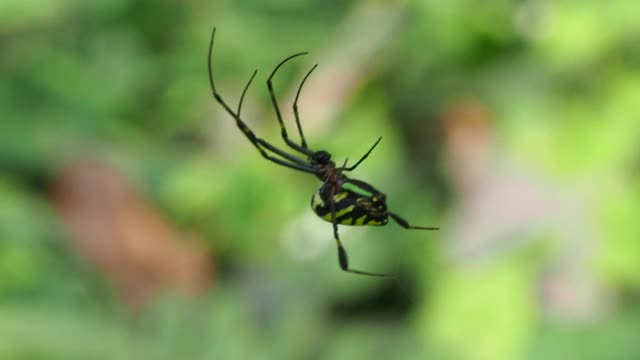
<point>351,208</point>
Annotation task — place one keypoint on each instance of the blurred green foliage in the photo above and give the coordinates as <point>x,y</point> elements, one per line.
<point>125,80</point>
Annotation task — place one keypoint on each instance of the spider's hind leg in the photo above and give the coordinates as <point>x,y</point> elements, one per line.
<point>343,259</point>
<point>402,222</point>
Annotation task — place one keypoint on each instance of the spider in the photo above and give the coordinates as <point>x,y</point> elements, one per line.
<point>340,200</point>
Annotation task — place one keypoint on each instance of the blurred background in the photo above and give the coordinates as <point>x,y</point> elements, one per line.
<point>136,222</point>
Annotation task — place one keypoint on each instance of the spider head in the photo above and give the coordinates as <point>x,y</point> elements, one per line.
<point>320,158</point>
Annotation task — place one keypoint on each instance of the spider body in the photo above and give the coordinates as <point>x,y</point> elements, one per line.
<point>340,200</point>
<point>355,203</point>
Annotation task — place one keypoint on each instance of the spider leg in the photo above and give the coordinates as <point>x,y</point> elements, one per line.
<point>244,91</point>
<point>326,181</point>
<point>344,164</point>
<point>293,161</point>
<point>301,148</point>
<point>303,142</point>
<point>343,260</point>
<point>261,141</point>
<point>402,222</point>
<point>353,167</point>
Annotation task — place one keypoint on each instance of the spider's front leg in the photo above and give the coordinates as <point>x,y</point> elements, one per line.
<point>273,154</point>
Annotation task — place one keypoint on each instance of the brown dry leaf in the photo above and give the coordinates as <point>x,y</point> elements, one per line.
<point>118,231</point>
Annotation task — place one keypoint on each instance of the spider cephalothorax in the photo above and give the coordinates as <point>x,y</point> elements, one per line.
<point>321,158</point>
<point>340,199</point>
